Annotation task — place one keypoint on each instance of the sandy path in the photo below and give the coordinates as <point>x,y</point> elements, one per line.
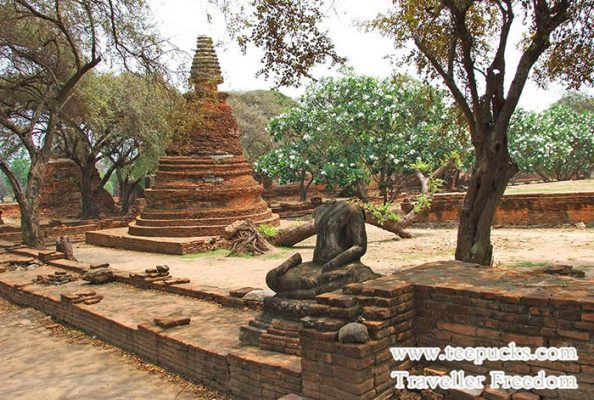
<point>386,254</point>
<point>40,362</point>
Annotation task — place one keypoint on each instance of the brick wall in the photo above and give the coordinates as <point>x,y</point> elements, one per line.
<point>246,375</point>
<point>60,191</point>
<point>425,307</point>
<point>466,318</point>
<point>333,370</point>
<point>75,230</point>
<point>436,304</point>
<point>519,209</point>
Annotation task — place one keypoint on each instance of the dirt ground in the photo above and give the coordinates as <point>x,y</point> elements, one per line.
<point>585,185</point>
<point>514,248</point>
<point>40,359</point>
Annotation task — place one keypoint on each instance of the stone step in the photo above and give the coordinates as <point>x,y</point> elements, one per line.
<point>199,173</point>
<point>249,335</point>
<point>187,231</point>
<point>200,222</point>
<point>259,324</point>
<point>243,166</point>
<point>188,192</point>
<point>201,160</point>
<point>155,214</point>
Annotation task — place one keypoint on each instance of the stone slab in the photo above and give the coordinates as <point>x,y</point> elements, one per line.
<point>119,238</point>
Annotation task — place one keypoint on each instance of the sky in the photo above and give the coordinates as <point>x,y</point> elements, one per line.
<point>181,21</point>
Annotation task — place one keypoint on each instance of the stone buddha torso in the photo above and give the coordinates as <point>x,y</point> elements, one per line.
<point>340,244</point>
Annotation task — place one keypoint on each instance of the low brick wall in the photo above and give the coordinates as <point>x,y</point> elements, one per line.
<point>10,210</point>
<point>146,341</point>
<point>519,209</point>
<point>333,370</point>
<point>74,229</point>
<point>465,318</point>
<point>442,304</point>
<point>435,305</point>
<point>243,373</point>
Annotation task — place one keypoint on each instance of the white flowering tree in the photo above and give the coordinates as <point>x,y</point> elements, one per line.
<point>557,144</point>
<point>351,129</point>
<point>298,153</point>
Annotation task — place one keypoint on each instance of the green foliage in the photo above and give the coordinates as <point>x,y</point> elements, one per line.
<point>381,213</point>
<point>253,111</point>
<point>127,122</point>
<point>20,167</point>
<point>577,101</point>
<point>268,231</point>
<point>422,202</point>
<point>287,32</point>
<point>353,128</point>
<point>557,144</point>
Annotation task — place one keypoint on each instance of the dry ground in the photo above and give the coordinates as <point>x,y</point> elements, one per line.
<point>42,360</point>
<point>586,185</point>
<point>514,248</point>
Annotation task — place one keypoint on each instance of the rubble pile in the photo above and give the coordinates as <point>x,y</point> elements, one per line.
<point>159,274</point>
<point>87,298</point>
<point>57,278</point>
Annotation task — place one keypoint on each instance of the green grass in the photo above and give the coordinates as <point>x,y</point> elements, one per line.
<point>268,231</point>
<point>530,264</point>
<point>209,254</point>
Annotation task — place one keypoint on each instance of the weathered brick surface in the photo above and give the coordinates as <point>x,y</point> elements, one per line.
<point>204,183</point>
<point>519,209</point>
<point>75,230</point>
<point>60,192</point>
<point>246,373</point>
<point>467,306</point>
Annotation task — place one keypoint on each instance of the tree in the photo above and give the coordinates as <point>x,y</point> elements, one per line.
<point>577,101</point>
<point>464,43</point>
<point>253,111</point>
<point>123,121</point>
<point>351,129</point>
<point>296,155</point>
<point>557,144</point>
<point>47,47</point>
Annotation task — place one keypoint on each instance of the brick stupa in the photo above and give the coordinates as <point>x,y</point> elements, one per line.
<point>204,183</point>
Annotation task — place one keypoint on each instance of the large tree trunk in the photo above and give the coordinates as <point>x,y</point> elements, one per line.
<point>291,236</point>
<point>29,204</point>
<point>30,226</point>
<point>127,194</point>
<point>391,226</point>
<point>491,173</point>
<point>88,194</point>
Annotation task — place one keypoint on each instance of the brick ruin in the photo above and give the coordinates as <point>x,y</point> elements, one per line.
<point>518,209</point>
<point>60,192</point>
<point>435,304</point>
<point>204,183</point>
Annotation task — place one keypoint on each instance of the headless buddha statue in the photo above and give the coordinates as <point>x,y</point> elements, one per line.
<point>341,242</point>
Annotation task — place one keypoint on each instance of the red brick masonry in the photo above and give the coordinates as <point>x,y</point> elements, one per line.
<point>435,304</point>
<point>519,209</point>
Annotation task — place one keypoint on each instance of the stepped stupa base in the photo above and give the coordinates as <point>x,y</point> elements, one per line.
<point>203,183</point>
<point>120,239</point>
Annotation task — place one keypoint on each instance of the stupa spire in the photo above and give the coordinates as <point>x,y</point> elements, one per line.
<point>206,71</point>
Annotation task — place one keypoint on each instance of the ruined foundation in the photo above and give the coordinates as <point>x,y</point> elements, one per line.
<point>60,193</point>
<point>435,304</point>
